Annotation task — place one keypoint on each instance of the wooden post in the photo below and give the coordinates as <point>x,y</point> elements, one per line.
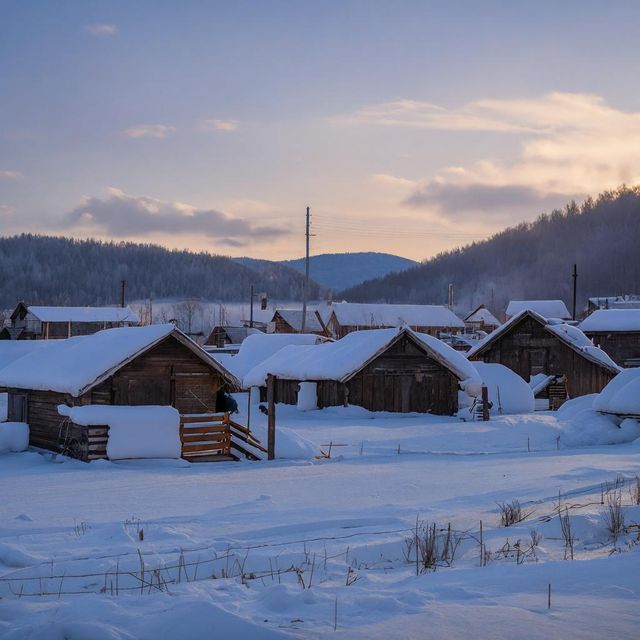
<point>485,403</point>
<point>271,417</point>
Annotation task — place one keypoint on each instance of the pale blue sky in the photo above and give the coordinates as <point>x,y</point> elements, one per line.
<point>211,125</point>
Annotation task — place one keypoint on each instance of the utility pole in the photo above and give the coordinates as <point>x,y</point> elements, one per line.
<point>123,284</point>
<point>575,289</point>
<point>251,309</point>
<point>306,275</point>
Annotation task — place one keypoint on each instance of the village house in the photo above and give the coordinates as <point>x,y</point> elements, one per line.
<point>290,321</point>
<point>393,369</point>
<point>32,322</point>
<point>627,301</point>
<point>223,336</point>
<point>530,344</point>
<point>152,365</point>
<point>481,319</point>
<point>345,317</point>
<point>617,332</point>
<point>545,308</point>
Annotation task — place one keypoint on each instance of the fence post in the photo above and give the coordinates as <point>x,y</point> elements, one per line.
<point>485,403</point>
<point>271,417</point>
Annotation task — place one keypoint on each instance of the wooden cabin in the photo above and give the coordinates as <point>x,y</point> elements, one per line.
<point>31,322</point>
<point>222,336</point>
<point>152,365</point>
<point>617,332</point>
<point>531,345</point>
<point>394,370</point>
<point>481,319</point>
<point>346,317</point>
<point>627,301</point>
<point>290,321</point>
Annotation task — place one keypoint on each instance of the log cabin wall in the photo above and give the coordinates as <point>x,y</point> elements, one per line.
<point>167,374</point>
<point>622,348</point>
<point>281,325</point>
<point>402,379</point>
<point>528,348</point>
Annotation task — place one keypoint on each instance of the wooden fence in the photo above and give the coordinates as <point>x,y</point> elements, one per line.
<point>211,437</point>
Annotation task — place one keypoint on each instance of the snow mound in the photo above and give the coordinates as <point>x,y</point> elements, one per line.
<point>508,392</point>
<point>308,396</point>
<point>289,444</point>
<point>14,436</point>
<point>622,395</point>
<point>134,432</point>
<point>573,407</point>
<point>588,428</point>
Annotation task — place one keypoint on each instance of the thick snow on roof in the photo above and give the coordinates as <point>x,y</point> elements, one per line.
<point>612,320</point>
<point>394,315</point>
<point>546,308</point>
<point>258,347</point>
<point>622,395</point>
<point>84,314</point>
<point>11,350</point>
<point>75,364</point>
<point>484,316</point>
<point>338,360</point>
<point>569,334</point>
<point>294,318</point>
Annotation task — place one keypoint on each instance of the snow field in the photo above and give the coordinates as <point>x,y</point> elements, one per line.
<point>300,547</point>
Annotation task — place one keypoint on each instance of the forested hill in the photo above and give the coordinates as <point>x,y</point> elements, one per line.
<point>339,270</point>
<point>53,270</point>
<point>530,261</point>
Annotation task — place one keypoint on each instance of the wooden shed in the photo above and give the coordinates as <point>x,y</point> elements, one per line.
<point>530,345</point>
<point>617,332</point>
<point>152,365</point>
<point>395,370</point>
<point>290,321</point>
<point>33,322</point>
<point>343,318</point>
<point>481,319</point>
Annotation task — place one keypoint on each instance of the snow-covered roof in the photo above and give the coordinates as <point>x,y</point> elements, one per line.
<point>76,364</point>
<point>568,334</point>
<point>258,347</point>
<point>546,308</point>
<point>612,320</point>
<point>342,359</point>
<point>293,317</point>
<point>622,395</point>
<point>540,381</point>
<point>394,315</point>
<point>11,350</point>
<point>629,301</point>
<point>484,316</point>
<point>84,314</point>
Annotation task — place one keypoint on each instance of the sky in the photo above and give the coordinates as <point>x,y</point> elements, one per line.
<point>410,127</point>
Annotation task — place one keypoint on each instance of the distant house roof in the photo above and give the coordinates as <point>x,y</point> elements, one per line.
<point>394,315</point>
<point>342,359</point>
<point>546,308</point>
<point>612,321</point>
<point>83,314</point>
<point>258,347</point>
<point>293,317</point>
<point>568,334</point>
<point>629,301</point>
<point>77,364</point>
<point>484,316</point>
<point>236,335</point>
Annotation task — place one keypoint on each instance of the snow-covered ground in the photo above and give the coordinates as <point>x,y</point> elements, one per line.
<point>317,547</point>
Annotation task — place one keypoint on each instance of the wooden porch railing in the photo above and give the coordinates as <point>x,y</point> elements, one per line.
<point>213,436</point>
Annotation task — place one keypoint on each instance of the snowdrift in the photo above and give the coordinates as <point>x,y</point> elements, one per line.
<point>14,436</point>
<point>622,395</point>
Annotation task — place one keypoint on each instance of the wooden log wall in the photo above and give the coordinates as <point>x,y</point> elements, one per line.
<point>527,348</point>
<point>622,348</point>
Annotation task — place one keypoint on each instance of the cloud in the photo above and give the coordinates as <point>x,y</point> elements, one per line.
<point>121,215</point>
<point>101,30</point>
<point>6,211</point>
<point>219,125</point>
<point>572,144</point>
<point>149,131</point>
<point>10,175</point>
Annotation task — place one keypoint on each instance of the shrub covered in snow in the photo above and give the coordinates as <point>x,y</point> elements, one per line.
<point>14,436</point>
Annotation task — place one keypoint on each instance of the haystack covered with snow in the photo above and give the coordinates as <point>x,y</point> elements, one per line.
<point>509,394</point>
<point>622,395</point>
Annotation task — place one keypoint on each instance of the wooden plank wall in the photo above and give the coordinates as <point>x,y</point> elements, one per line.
<point>622,348</point>
<point>528,344</point>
